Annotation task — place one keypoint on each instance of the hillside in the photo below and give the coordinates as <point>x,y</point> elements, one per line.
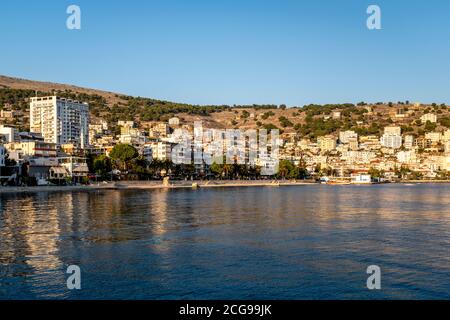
<point>310,121</point>
<point>16,83</point>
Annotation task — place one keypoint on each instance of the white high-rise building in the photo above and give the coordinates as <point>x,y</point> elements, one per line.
<point>60,120</point>
<point>391,141</point>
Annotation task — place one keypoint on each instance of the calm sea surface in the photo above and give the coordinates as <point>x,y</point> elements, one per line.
<point>305,242</point>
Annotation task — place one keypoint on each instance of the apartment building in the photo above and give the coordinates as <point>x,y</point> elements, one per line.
<point>391,141</point>
<point>429,117</point>
<point>446,135</point>
<point>406,157</point>
<point>394,130</point>
<point>327,143</point>
<point>174,121</point>
<point>18,150</point>
<point>161,150</point>
<point>409,141</point>
<point>60,120</point>
<point>370,142</point>
<point>345,136</point>
<point>353,143</point>
<point>8,134</point>
<point>435,137</point>
<point>160,130</point>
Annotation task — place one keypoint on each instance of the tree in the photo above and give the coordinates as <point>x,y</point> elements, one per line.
<point>270,127</point>
<point>139,167</point>
<point>286,169</point>
<point>302,170</point>
<point>102,165</point>
<point>123,153</point>
<point>375,173</point>
<point>245,114</point>
<point>156,166</point>
<point>429,126</point>
<point>445,121</point>
<point>227,170</point>
<point>285,122</point>
<point>216,169</point>
<point>416,175</point>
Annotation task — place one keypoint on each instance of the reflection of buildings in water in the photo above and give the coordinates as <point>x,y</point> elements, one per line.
<point>114,203</point>
<point>12,241</point>
<point>159,207</point>
<point>42,237</point>
<point>66,209</point>
<point>330,203</point>
<point>99,224</point>
<point>15,228</point>
<point>34,231</point>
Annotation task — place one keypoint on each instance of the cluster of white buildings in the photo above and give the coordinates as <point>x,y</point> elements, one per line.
<point>56,125</point>
<point>60,132</point>
<point>181,144</point>
<point>349,153</point>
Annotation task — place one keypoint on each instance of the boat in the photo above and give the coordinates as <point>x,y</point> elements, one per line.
<point>338,182</point>
<point>334,181</point>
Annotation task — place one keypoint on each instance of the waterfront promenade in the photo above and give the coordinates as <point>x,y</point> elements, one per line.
<point>121,185</point>
<point>142,185</point>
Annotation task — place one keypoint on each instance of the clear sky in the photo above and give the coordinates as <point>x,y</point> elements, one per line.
<point>235,51</point>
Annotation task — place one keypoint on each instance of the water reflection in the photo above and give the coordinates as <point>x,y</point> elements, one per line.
<point>286,242</point>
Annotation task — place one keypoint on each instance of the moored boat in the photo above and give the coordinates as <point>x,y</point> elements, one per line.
<point>338,182</point>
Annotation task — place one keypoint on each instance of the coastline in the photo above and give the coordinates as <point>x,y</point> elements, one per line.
<point>153,185</point>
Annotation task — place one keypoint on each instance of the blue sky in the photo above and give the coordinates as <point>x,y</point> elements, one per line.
<point>235,51</point>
